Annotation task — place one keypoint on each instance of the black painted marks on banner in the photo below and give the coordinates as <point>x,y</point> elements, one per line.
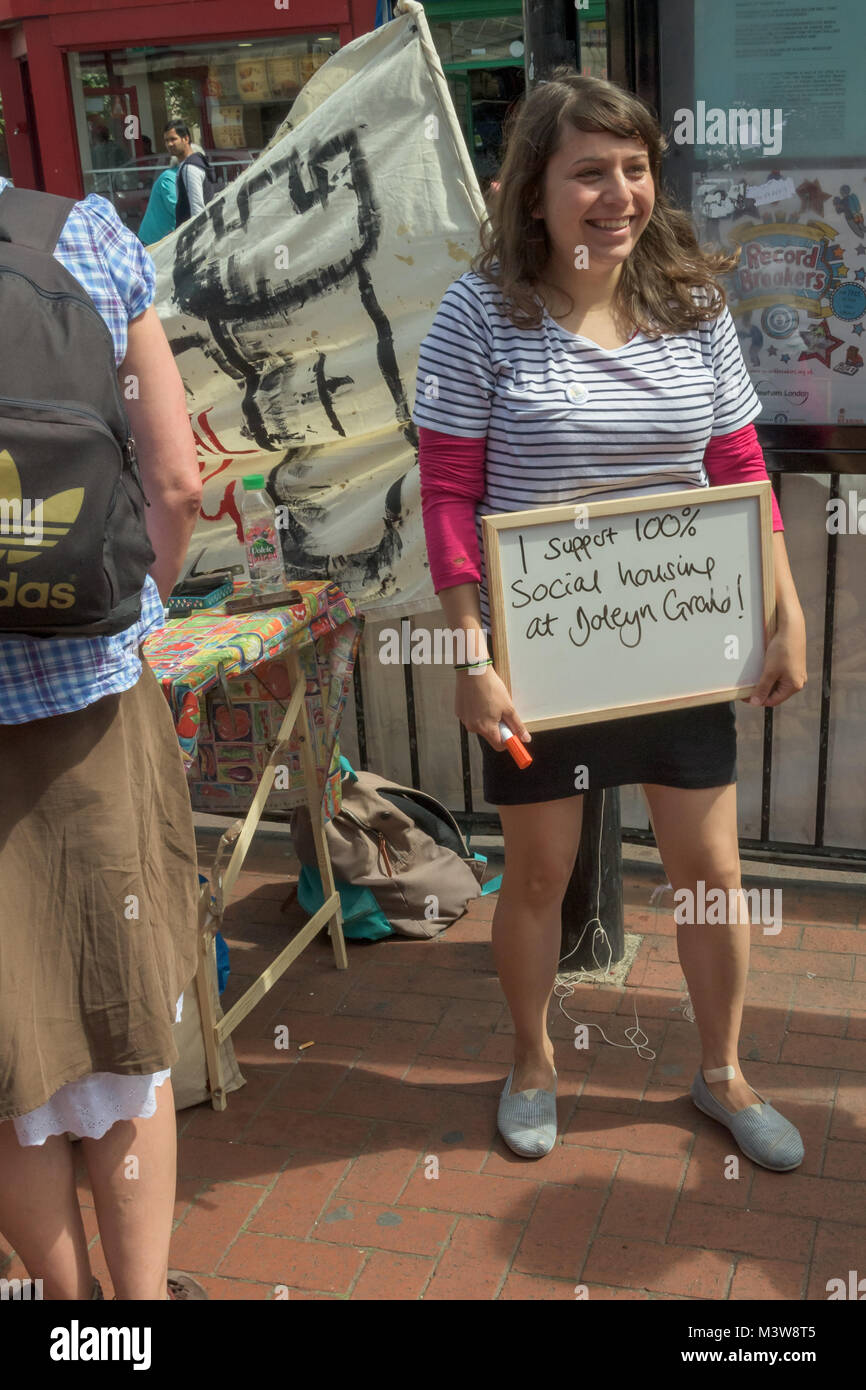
<point>217,285</point>
<point>325,385</point>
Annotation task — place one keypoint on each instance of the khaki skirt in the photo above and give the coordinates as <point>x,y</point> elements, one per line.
<point>98,894</point>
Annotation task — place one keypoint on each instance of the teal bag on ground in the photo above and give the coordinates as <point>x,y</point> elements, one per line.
<point>363,918</point>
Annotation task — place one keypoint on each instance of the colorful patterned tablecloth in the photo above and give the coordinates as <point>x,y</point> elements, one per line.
<point>227,684</point>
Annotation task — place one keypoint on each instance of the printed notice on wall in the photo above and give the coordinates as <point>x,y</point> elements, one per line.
<point>806,60</point>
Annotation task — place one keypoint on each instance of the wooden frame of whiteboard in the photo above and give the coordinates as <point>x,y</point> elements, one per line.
<point>544,516</point>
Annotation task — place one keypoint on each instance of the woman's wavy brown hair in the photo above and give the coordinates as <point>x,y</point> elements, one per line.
<point>654,291</point>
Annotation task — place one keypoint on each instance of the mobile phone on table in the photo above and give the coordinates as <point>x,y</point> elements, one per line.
<point>199,591</point>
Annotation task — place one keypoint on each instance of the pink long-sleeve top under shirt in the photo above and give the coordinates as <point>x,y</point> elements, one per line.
<point>452,481</point>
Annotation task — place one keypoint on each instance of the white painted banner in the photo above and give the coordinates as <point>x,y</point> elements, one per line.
<point>296,303</point>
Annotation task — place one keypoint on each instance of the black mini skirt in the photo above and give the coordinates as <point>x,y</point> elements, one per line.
<point>677,748</point>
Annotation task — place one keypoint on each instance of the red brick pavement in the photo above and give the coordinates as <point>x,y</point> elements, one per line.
<point>369,1166</point>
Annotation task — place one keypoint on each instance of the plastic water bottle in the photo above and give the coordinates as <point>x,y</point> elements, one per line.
<point>262,543</point>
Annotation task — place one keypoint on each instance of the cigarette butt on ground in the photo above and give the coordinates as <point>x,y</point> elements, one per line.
<point>303,1045</point>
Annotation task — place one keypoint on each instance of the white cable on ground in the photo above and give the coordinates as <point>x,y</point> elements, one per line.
<point>642,1048</point>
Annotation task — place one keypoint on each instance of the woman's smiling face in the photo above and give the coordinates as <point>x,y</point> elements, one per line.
<point>598,192</point>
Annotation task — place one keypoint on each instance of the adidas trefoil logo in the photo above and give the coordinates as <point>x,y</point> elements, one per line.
<point>29,528</point>
<point>36,525</point>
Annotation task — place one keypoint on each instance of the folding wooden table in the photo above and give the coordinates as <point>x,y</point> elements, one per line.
<point>224,677</point>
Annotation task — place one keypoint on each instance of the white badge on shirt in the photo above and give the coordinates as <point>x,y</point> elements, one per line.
<point>576,393</point>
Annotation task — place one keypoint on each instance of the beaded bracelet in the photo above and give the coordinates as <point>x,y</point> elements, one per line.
<point>468,665</point>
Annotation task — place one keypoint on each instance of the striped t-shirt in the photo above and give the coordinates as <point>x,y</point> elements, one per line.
<point>566,420</point>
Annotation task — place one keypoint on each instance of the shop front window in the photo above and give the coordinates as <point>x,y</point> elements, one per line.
<point>233,96</point>
<point>474,40</point>
<point>482,99</point>
<point>483,59</point>
<point>592,31</point>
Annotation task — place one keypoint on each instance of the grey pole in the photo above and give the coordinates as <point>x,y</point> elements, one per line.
<point>551,36</point>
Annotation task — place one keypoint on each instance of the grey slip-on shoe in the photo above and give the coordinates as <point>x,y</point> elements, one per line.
<point>764,1135</point>
<point>527,1120</point>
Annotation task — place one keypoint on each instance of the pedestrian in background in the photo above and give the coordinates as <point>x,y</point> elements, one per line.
<point>196,180</point>
<point>160,217</point>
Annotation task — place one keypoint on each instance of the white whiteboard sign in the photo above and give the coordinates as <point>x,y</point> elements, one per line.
<point>642,604</point>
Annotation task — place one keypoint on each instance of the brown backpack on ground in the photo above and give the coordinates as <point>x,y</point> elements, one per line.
<point>379,840</point>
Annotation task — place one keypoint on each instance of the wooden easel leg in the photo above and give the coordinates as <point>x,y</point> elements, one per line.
<point>239,836</point>
<point>315,803</point>
<point>206,984</point>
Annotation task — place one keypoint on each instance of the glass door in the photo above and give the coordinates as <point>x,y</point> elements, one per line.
<point>480,44</point>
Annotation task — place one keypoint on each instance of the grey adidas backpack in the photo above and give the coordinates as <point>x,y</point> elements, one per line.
<point>74,549</point>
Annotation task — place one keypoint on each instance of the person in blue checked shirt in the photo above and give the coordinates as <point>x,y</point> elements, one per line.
<point>95,814</point>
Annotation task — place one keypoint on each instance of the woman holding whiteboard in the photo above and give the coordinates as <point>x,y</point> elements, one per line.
<point>590,354</point>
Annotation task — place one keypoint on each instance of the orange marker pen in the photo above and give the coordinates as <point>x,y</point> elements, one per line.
<point>516,748</point>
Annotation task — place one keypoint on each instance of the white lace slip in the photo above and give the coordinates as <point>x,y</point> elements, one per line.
<point>89,1106</point>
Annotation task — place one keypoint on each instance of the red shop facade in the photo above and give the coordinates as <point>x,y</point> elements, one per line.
<point>86,90</point>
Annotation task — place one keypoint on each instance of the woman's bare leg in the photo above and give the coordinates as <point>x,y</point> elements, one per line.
<point>541,843</point>
<point>696,833</point>
<point>40,1216</point>
<point>133,1171</point>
